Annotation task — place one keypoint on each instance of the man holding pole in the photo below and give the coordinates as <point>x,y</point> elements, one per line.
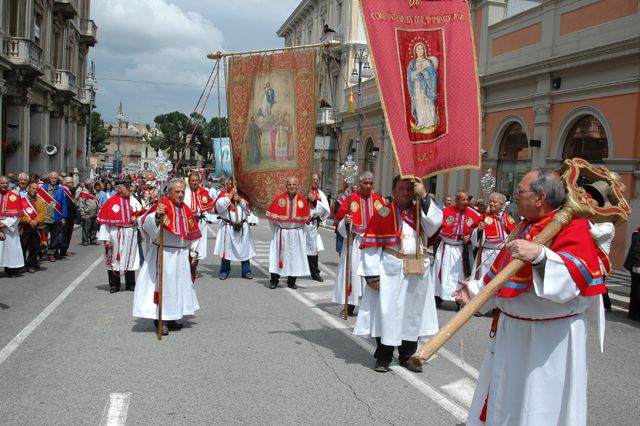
<point>180,234</point>
<point>398,303</point>
<point>538,335</point>
<point>320,210</point>
<point>200,202</point>
<point>288,215</point>
<point>353,217</point>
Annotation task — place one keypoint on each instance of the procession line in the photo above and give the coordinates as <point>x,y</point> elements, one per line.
<point>115,412</point>
<point>21,337</point>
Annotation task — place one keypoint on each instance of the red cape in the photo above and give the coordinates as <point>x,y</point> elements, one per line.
<point>361,209</point>
<point>116,212</point>
<point>284,210</point>
<point>456,223</point>
<point>202,199</point>
<point>10,205</point>
<point>573,244</point>
<point>180,221</point>
<point>385,228</point>
<point>498,228</point>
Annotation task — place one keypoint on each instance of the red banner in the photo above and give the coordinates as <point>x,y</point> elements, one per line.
<point>424,59</point>
<point>272,119</point>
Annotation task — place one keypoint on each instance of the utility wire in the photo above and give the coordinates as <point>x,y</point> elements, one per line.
<point>159,83</point>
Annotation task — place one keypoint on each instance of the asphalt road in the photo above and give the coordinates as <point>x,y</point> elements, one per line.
<point>71,354</point>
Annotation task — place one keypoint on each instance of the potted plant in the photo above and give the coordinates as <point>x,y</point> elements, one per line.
<point>78,152</point>
<point>10,147</point>
<point>34,150</point>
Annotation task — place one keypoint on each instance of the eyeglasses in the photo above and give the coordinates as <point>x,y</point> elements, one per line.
<point>520,191</point>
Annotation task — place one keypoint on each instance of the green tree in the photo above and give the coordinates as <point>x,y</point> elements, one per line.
<point>99,134</point>
<point>176,130</point>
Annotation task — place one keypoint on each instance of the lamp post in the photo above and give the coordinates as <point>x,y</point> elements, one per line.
<point>117,156</point>
<point>361,70</point>
<point>91,85</point>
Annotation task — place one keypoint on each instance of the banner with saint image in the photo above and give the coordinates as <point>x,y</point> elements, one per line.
<point>423,56</point>
<point>272,121</point>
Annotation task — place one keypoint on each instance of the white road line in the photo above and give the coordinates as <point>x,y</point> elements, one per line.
<point>462,390</point>
<point>21,337</point>
<point>619,298</point>
<point>465,366</point>
<point>326,270</point>
<point>319,295</point>
<point>115,412</point>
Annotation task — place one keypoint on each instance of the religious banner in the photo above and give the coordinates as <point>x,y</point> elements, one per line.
<point>272,121</point>
<point>423,56</point>
<point>222,157</point>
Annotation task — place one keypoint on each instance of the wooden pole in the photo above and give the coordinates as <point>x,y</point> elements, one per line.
<point>160,272</point>
<point>347,268</point>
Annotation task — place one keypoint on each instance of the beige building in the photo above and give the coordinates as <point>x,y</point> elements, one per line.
<point>559,78</point>
<point>44,96</point>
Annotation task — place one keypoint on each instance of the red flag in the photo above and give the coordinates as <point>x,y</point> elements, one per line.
<point>423,55</point>
<point>49,200</point>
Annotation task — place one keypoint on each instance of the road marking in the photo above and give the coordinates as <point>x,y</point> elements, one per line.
<point>618,298</point>
<point>319,295</point>
<point>326,270</point>
<point>462,390</point>
<point>21,337</point>
<point>115,412</point>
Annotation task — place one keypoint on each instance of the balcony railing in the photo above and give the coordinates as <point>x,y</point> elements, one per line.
<point>331,37</point>
<point>87,96</point>
<point>325,117</point>
<point>88,31</point>
<point>68,8</point>
<point>65,81</point>
<point>23,52</point>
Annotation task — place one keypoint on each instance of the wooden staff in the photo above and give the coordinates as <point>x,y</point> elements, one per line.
<point>160,271</point>
<point>575,206</point>
<point>347,269</point>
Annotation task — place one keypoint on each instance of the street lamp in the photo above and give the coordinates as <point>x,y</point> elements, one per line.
<point>361,70</point>
<point>117,156</point>
<point>90,84</point>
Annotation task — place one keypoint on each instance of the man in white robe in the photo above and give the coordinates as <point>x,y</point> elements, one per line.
<point>534,371</point>
<point>355,211</point>
<point>398,306</point>
<point>234,241</point>
<point>117,219</point>
<point>200,202</point>
<point>180,234</point>
<point>320,211</point>
<point>288,215</point>
<point>10,213</point>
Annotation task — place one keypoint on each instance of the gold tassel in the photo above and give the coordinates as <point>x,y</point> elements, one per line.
<point>352,103</point>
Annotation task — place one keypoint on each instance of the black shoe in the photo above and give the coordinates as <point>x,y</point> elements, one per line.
<point>292,286</point>
<point>438,301</point>
<point>406,365</point>
<point>248,276</point>
<point>350,310</point>
<point>113,290</point>
<point>84,244</point>
<point>165,329</point>
<point>317,277</point>
<point>174,325</point>
<point>381,367</point>
<point>273,285</point>
<point>130,288</point>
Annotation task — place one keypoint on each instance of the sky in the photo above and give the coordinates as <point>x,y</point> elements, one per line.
<point>151,54</point>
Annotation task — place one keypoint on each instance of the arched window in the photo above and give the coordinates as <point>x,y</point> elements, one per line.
<point>586,139</point>
<point>513,158</point>
<point>370,156</point>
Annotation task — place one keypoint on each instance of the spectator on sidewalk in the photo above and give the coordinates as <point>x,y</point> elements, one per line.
<point>632,264</point>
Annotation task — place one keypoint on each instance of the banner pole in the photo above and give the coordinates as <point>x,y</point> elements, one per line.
<point>328,44</point>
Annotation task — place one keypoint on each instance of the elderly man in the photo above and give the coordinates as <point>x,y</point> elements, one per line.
<point>23,185</point>
<point>54,197</point>
<point>453,258</point>
<point>180,234</point>
<point>10,213</point>
<point>234,240</point>
<point>320,211</point>
<point>355,211</point>
<point>31,226</point>
<point>200,202</point>
<point>491,234</point>
<point>288,215</point>
<point>398,304</point>
<point>117,220</point>
<point>535,368</point>
<point>88,207</point>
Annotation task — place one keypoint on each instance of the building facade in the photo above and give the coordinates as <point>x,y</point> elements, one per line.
<point>558,79</point>
<point>45,95</point>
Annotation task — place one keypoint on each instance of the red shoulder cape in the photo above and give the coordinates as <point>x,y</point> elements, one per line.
<point>116,212</point>
<point>361,209</point>
<point>284,210</point>
<point>180,221</point>
<point>10,205</point>
<point>386,226</point>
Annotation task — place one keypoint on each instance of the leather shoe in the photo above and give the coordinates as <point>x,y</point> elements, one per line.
<point>84,244</point>
<point>273,285</point>
<point>247,277</point>
<point>130,288</point>
<point>292,286</point>
<point>165,329</point>
<point>69,253</point>
<point>317,277</point>
<point>381,367</point>
<point>51,258</point>
<point>223,277</point>
<point>113,290</point>
<point>31,270</point>
<point>174,325</point>
<point>410,368</point>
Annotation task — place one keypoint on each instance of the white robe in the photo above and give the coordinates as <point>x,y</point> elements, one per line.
<point>540,374</point>
<point>404,307</point>
<point>178,293</point>
<point>294,249</point>
<point>357,282</point>
<point>488,255</point>
<point>201,246</point>
<point>447,267</point>
<point>320,211</point>
<point>124,241</point>
<point>232,245</point>
<point>10,248</point>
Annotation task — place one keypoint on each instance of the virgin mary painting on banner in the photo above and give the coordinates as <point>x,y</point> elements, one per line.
<point>421,57</point>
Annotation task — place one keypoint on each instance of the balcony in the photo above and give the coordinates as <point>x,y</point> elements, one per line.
<point>65,81</point>
<point>68,8</point>
<point>23,53</point>
<point>88,32</point>
<point>325,117</point>
<point>87,96</point>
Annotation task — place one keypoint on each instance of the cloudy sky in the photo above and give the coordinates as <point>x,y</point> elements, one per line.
<point>151,54</point>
